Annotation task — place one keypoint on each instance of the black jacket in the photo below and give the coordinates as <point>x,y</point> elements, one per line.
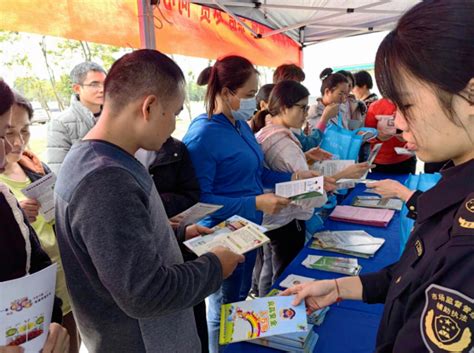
<point>13,249</point>
<point>428,293</point>
<point>174,177</point>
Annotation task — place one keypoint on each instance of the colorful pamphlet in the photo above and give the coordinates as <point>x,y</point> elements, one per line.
<point>26,306</point>
<point>359,215</point>
<point>262,317</point>
<point>344,265</point>
<point>195,213</point>
<point>301,189</point>
<point>43,191</point>
<point>353,242</point>
<point>236,233</point>
<point>377,202</point>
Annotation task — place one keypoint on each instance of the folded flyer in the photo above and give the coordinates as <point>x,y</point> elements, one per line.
<point>236,233</point>
<point>331,166</point>
<point>368,216</point>
<point>43,191</point>
<point>195,213</point>
<point>344,265</point>
<point>262,317</point>
<point>301,189</point>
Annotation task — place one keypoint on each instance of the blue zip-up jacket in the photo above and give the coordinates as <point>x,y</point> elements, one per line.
<point>229,166</point>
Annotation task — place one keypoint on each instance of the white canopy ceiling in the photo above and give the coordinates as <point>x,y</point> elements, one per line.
<point>311,21</point>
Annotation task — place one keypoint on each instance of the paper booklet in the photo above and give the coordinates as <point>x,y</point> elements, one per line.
<point>301,189</point>
<point>236,233</point>
<point>346,266</point>
<point>360,215</point>
<point>26,306</point>
<point>43,191</point>
<point>299,342</point>
<point>262,317</point>
<point>351,242</point>
<point>195,213</point>
<point>331,167</point>
<point>377,202</point>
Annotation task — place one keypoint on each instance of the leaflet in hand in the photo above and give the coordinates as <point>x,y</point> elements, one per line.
<point>195,213</point>
<point>236,233</point>
<point>43,191</point>
<point>331,167</point>
<point>386,124</point>
<point>373,154</point>
<point>346,266</point>
<point>377,202</point>
<point>352,242</point>
<point>301,189</point>
<point>262,317</point>
<point>26,306</point>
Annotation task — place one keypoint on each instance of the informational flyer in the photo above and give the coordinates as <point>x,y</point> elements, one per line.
<point>195,213</point>
<point>26,306</point>
<point>331,167</point>
<point>43,191</point>
<point>301,189</point>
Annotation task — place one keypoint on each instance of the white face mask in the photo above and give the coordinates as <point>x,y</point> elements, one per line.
<point>246,110</point>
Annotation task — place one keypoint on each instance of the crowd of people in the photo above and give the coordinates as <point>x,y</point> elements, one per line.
<point>126,282</point>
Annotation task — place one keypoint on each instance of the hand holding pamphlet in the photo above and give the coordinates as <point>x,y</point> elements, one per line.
<point>331,167</point>
<point>236,233</point>
<point>26,306</point>
<point>43,191</point>
<point>262,317</point>
<point>301,189</point>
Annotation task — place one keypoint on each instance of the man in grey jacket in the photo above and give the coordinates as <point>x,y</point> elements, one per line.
<point>75,122</point>
<point>130,289</point>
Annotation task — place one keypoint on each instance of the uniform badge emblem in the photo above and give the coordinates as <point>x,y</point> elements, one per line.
<point>447,320</point>
<point>470,205</point>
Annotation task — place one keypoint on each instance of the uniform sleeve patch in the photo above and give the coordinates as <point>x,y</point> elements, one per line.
<point>464,219</point>
<point>447,320</point>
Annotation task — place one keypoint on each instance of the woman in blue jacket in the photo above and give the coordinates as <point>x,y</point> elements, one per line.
<point>229,166</point>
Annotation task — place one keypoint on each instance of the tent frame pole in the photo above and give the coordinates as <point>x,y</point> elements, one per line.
<point>146,24</point>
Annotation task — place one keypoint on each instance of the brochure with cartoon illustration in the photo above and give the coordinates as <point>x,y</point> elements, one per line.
<point>263,317</point>
<point>236,233</point>
<point>26,306</point>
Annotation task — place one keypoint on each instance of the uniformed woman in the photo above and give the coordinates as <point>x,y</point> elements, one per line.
<point>426,67</point>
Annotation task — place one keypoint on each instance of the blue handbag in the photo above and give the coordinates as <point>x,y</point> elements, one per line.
<point>344,143</point>
<point>422,182</point>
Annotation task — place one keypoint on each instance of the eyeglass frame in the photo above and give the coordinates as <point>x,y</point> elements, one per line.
<point>94,85</point>
<point>304,108</point>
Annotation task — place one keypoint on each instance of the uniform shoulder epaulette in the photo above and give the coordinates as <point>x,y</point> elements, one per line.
<point>464,219</point>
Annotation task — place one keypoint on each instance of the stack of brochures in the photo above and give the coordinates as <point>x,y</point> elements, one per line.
<point>352,242</point>
<point>300,342</point>
<point>236,233</point>
<point>344,265</point>
<point>262,317</point>
<point>360,215</point>
<point>377,202</point>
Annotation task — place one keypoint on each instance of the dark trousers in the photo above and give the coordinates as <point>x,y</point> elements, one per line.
<point>405,167</point>
<point>285,243</point>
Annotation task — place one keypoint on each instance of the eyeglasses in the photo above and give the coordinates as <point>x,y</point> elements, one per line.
<point>94,85</point>
<point>304,108</point>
